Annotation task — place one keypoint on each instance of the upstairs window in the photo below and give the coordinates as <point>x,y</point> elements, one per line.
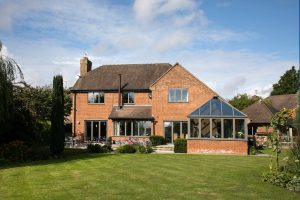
<point>178,95</point>
<point>128,97</point>
<point>96,97</point>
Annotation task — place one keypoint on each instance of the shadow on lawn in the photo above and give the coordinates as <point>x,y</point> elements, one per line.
<point>68,155</point>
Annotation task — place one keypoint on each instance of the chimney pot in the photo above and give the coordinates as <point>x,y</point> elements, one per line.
<point>85,66</point>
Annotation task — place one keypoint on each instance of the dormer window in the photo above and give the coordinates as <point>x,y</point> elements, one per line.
<point>178,95</point>
<point>128,97</point>
<point>96,97</point>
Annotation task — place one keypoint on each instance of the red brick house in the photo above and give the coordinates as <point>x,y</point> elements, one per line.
<point>139,100</point>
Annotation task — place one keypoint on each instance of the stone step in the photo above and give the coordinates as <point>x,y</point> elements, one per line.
<point>164,149</point>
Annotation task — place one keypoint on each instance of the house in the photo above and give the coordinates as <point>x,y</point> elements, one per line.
<point>139,100</point>
<point>261,113</point>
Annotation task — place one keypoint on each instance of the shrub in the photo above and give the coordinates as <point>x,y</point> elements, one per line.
<point>15,151</point>
<point>96,148</point>
<point>127,148</point>
<point>180,145</point>
<point>157,140</point>
<point>18,151</point>
<point>252,150</point>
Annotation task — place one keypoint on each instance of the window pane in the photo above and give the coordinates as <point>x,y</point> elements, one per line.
<point>101,94</point>
<point>90,97</point>
<point>148,126</point>
<point>184,95</point>
<point>228,128</point>
<point>135,128</point>
<point>194,128</point>
<point>168,131</point>
<point>226,109</point>
<point>184,130</point>
<point>95,131</point>
<point>171,95</point>
<point>116,126</point>
<point>240,128</point>
<point>142,128</point>
<point>131,97</point>
<point>88,130</point>
<point>96,97</point>
<point>128,128</point>
<point>103,130</point>
<point>215,107</point>
<point>176,130</point>
<point>122,128</point>
<point>205,128</point>
<point>216,128</point>
<point>178,95</point>
<point>125,97</point>
<point>205,109</point>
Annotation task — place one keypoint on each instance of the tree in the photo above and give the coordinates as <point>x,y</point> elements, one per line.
<point>57,117</point>
<point>10,75</point>
<point>287,84</point>
<point>242,101</point>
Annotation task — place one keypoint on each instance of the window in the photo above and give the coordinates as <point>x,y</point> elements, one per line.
<point>194,128</point>
<point>239,128</point>
<point>132,128</point>
<point>178,95</point>
<point>205,128</point>
<point>228,128</point>
<point>216,128</point>
<point>95,131</point>
<point>174,130</point>
<point>96,97</point>
<point>128,97</point>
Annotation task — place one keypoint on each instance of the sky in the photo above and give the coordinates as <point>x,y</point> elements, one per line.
<point>234,46</point>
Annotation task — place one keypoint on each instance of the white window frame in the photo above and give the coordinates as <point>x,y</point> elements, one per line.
<point>93,93</point>
<point>181,99</point>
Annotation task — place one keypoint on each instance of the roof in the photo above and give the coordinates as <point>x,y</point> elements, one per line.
<point>262,112</point>
<point>134,77</point>
<point>217,107</point>
<point>289,101</point>
<point>259,112</point>
<point>132,112</point>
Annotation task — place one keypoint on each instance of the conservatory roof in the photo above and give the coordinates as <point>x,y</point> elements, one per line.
<point>217,107</point>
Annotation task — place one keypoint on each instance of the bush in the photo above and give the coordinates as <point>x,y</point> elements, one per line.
<point>143,149</point>
<point>18,151</point>
<point>15,151</point>
<point>96,148</point>
<point>127,148</point>
<point>252,150</point>
<point>180,145</point>
<point>157,140</point>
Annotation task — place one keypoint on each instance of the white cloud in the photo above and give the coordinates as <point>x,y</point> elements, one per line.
<point>149,31</point>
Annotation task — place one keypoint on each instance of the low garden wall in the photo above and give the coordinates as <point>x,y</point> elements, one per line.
<point>217,146</point>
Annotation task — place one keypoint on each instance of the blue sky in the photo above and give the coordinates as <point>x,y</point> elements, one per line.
<point>234,46</point>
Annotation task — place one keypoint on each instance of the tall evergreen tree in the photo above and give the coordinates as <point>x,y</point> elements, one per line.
<point>57,117</point>
<point>287,84</point>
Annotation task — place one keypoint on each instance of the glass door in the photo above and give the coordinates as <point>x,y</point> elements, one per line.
<point>168,131</point>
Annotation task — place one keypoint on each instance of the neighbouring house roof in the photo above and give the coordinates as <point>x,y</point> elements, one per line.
<point>134,77</point>
<point>217,107</point>
<point>262,112</point>
<point>131,112</point>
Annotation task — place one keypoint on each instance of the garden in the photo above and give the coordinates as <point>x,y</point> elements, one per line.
<point>82,175</point>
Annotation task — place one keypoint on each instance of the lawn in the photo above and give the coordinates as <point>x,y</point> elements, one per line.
<point>137,176</point>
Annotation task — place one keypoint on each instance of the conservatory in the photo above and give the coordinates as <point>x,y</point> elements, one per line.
<point>217,127</point>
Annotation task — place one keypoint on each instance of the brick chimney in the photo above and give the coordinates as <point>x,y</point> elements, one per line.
<point>85,65</point>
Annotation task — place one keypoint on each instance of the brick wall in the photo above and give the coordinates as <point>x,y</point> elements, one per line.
<point>87,111</point>
<point>162,110</point>
<point>217,146</point>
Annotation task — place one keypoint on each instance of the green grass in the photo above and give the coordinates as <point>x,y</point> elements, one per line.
<point>138,176</point>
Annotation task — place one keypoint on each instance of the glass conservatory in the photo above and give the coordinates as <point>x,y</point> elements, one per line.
<point>217,120</point>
